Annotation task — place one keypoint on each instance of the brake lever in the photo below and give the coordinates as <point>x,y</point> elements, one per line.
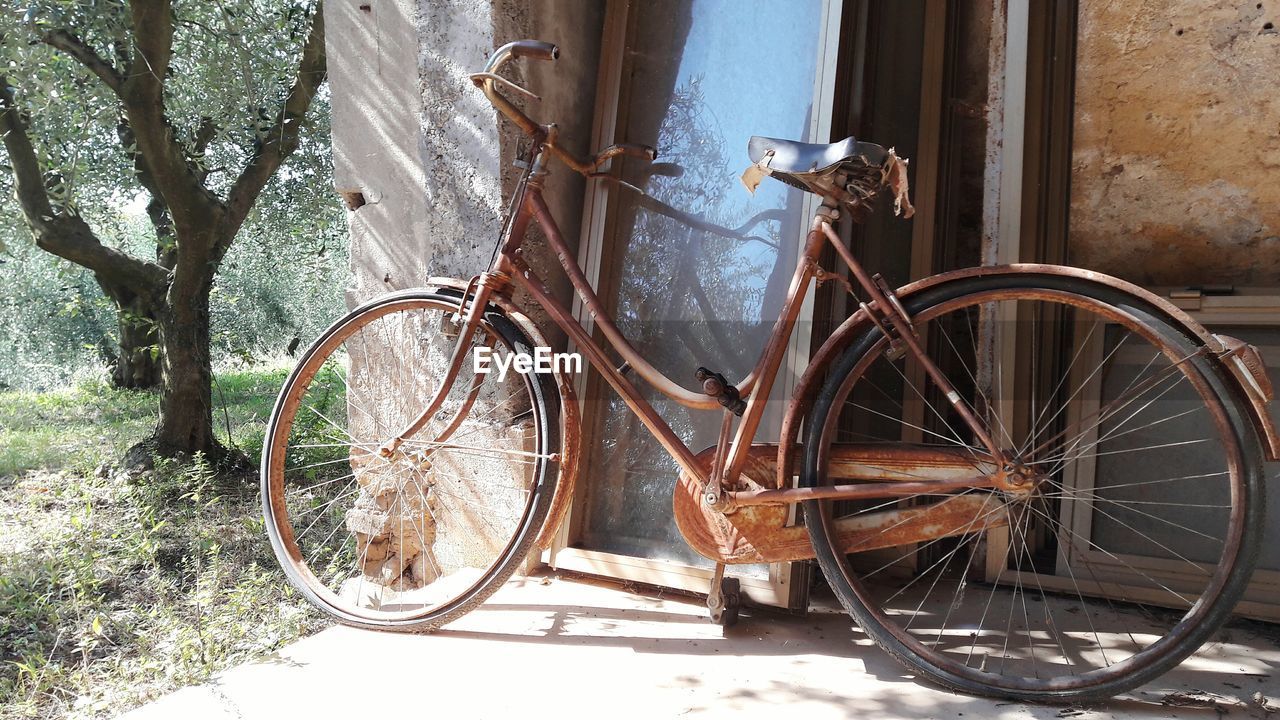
<point>480,77</point>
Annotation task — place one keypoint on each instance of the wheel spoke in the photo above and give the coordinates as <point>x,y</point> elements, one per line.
<point>1081,583</point>
<point>403,539</point>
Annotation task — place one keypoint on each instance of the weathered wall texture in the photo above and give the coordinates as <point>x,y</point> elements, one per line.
<point>425,166</point>
<point>378,142</point>
<point>1176,172</point>
<point>424,147</point>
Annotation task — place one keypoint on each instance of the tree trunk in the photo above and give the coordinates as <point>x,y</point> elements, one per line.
<point>137,364</point>
<point>186,405</point>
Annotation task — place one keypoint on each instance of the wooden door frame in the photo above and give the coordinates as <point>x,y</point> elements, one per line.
<point>1028,193</point>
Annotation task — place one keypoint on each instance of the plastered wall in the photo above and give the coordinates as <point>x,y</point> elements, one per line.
<point>1176,152</point>
<point>424,151</point>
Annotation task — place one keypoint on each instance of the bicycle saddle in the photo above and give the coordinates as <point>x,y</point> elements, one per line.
<point>849,171</point>
<point>797,158</point>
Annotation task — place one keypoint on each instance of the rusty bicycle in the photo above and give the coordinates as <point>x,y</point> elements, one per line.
<point>953,448</point>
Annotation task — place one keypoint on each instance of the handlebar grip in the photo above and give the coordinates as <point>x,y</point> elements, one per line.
<point>535,49</point>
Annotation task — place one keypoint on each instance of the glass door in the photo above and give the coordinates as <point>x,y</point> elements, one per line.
<point>698,277</point>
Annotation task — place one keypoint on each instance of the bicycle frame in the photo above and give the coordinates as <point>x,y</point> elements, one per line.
<point>732,502</point>
<point>509,270</point>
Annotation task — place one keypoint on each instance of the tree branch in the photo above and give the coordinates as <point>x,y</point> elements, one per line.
<point>272,151</point>
<point>69,43</point>
<point>152,44</point>
<point>166,244</point>
<point>205,133</point>
<point>64,234</point>
<point>28,179</point>
<point>190,203</point>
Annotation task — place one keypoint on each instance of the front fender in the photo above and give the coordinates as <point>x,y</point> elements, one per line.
<point>851,328</point>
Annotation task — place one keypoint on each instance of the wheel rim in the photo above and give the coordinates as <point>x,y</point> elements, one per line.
<point>410,537</point>
<point>1057,629</point>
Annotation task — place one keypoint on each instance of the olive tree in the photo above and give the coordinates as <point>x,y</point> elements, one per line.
<point>197,105</point>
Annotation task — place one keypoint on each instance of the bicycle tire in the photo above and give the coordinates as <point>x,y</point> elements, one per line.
<point>1194,629</point>
<point>544,410</point>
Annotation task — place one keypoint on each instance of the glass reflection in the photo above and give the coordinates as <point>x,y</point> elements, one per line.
<point>701,285</point>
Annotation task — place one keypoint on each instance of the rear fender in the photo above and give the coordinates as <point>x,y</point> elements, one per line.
<point>1250,373</point>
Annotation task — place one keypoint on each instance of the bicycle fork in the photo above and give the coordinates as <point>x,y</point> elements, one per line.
<point>471,310</point>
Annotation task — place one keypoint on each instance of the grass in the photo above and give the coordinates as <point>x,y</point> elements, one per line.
<point>77,429</point>
<point>114,591</point>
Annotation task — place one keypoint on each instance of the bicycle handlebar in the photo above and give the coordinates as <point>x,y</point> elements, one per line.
<point>535,49</point>
<point>488,82</point>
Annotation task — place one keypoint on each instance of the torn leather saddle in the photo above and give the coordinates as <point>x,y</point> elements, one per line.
<point>850,172</point>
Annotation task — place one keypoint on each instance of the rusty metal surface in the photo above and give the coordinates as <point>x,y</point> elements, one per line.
<point>892,470</point>
<point>886,306</point>
<point>759,533</point>
<point>852,327</point>
<point>731,539</point>
<point>869,491</point>
<point>775,349</point>
<point>602,318</point>
<point>802,396</point>
<point>570,454</point>
<point>470,322</point>
<point>488,79</point>
<point>1171,345</point>
<point>903,462</point>
<point>1174,313</point>
<point>1249,370</point>
<point>957,515</point>
<point>527,279</point>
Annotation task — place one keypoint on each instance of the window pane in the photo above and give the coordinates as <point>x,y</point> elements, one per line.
<point>700,78</point>
<point>1116,531</point>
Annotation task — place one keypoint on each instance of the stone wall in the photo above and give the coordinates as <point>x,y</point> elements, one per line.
<point>424,151</point>
<point>1176,167</point>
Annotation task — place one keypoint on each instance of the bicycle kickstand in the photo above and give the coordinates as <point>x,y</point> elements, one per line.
<point>724,598</point>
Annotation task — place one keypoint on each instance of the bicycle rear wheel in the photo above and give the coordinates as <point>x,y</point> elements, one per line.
<point>1135,533</point>
<point>416,540</point>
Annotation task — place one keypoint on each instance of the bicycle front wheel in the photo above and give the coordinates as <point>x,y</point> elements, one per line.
<point>1134,533</point>
<point>412,541</point>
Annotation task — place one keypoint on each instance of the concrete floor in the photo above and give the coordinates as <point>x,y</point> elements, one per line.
<point>565,647</point>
